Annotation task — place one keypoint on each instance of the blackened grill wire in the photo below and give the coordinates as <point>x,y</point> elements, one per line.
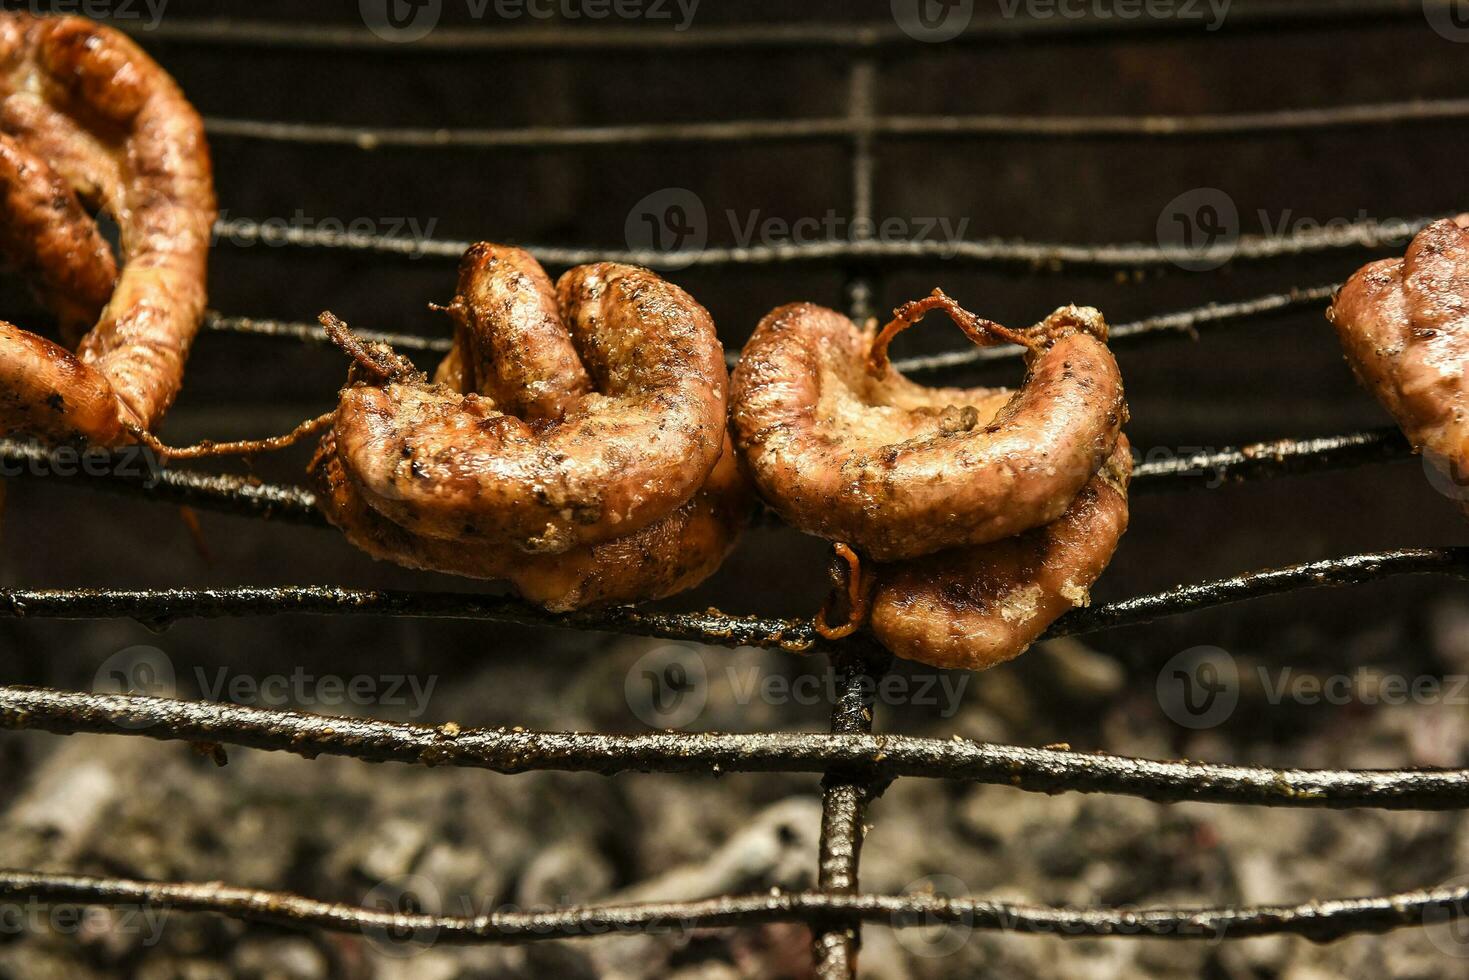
<point>997,253</point>
<point>846,792</point>
<point>157,608</point>
<point>856,764</point>
<point>1320,921</point>
<point>764,130</point>
<point>1182,323</point>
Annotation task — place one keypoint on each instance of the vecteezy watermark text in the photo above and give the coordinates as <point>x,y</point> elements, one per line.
<point>668,687</point>
<point>405,21</point>
<point>126,462</point>
<point>1202,228</point>
<point>1209,13</point>
<point>674,222</point>
<point>1201,687</point>
<point>34,916</point>
<point>305,229</point>
<point>148,671</point>
<point>148,13</point>
<point>300,687</point>
<point>944,20</point>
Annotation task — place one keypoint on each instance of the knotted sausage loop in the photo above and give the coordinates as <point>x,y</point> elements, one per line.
<point>90,121</point>
<point>573,440</point>
<point>966,519</point>
<point>1404,326</point>
<point>845,448</point>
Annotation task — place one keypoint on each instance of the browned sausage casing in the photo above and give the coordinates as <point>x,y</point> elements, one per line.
<point>514,357</point>
<point>897,469</point>
<point>622,454</point>
<point>980,606</point>
<point>1404,325</point>
<point>666,557</point>
<point>92,121</point>
<point>52,242</point>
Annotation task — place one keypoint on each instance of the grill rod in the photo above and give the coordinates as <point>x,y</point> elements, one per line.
<point>159,608</point>
<point>846,793</point>
<point>1320,921</point>
<point>1181,323</point>
<point>880,757</point>
<point>822,129</point>
<point>1108,259</point>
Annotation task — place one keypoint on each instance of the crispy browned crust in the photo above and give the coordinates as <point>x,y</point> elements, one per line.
<point>528,383</point>
<point>1404,325</point>
<point>113,131</point>
<point>510,344</point>
<point>666,557</point>
<point>456,466</point>
<point>980,606</point>
<point>897,469</point>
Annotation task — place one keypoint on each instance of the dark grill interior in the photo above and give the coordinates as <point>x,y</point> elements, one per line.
<point>1334,127</point>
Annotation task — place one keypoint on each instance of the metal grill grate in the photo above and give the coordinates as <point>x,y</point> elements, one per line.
<point>856,765</point>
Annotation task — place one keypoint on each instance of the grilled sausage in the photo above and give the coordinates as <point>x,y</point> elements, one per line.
<point>586,465</point>
<point>514,359</point>
<point>844,449</point>
<point>92,120</point>
<point>1404,325</point>
<point>980,606</point>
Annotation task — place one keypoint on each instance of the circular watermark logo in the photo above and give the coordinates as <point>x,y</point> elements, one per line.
<point>408,896</point>
<point>671,221</point>
<point>668,686</point>
<point>1202,225</point>
<point>1447,925</point>
<point>140,670</point>
<point>1448,18</point>
<point>933,20</point>
<point>1199,688</point>
<point>1446,475</point>
<point>401,21</point>
<point>936,937</point>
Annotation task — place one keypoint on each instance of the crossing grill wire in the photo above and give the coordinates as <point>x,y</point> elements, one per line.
<point>855,765</point>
